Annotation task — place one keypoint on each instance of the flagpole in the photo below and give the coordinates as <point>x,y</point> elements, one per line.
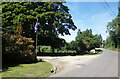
<point>36,43</point>
<point>36,40</point>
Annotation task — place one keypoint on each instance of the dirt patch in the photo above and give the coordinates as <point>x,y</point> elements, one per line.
<point>60,65</point>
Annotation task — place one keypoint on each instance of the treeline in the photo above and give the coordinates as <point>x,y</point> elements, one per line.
<point>84,42</point>
<point>18,22</point>
<point>113,28</point>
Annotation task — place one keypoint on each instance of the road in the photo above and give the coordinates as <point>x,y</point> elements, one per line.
<point>103,65</point>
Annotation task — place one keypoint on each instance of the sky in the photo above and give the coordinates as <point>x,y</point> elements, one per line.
<point>91,15</point>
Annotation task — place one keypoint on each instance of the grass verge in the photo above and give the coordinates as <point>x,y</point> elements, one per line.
<point>40,69</point>
<point>98,51</point>
<point>114,49</point>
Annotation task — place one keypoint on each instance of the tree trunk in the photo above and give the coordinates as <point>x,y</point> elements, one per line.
<point>39,49</point>
<point>57,50</point>
<point>53,50</point>
<point>42,50</point>
<point>115,45</point>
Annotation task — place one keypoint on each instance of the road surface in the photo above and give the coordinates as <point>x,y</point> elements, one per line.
<point>103,65</point>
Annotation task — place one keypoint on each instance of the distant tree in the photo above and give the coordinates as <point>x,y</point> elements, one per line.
<point>97,40</point>
<point>72,45</point>
<point>67,47</point>
<point>87,41</point>
<point>104,43</point>
<point>113,28</point>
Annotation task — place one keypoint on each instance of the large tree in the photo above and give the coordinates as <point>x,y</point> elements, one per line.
<point>54,18</point>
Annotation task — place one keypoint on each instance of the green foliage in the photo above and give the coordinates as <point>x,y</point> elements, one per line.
<point>113,28</point>
<point>98,51</point>
<point>17,49</point>
<point>70,46</point>
<point>87,41</point>
<point>54,42</point>
<point>54,19</point>
<point>48,49</point>
<point>111,48</point>
<point>84,42</point>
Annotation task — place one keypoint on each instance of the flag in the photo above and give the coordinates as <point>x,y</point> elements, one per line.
<point>36,27</point>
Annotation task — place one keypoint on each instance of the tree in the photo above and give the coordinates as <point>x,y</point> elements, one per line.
<point>98,40</point>
<point>103,43</point>
<point>86,40</point>
<point>113,28</point>
<point>54,18</point>
<point>118,28</point>
<point>57,43</point>
<point>72,45</point>
<point>17,49</point>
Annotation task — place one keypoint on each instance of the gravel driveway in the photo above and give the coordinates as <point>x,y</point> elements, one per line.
<point>65,63</point>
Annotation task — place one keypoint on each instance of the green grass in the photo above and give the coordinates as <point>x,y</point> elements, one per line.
<point>40,69</point>
<point>0,75</point>
<point>90,54</point>
<point>115,49</point>
<point>100,52</point>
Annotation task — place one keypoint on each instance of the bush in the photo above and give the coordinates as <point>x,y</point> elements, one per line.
<point>17,49</point>
<point>98,50</point>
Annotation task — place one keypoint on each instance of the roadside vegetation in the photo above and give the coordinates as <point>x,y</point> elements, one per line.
<point>113,28</point>
<point>114,49</point>
<point>97,52</point>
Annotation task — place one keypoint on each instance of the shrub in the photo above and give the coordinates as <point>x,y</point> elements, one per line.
<point>17,49</point>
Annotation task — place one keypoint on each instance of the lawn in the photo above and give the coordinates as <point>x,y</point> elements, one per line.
<point>40,69</point>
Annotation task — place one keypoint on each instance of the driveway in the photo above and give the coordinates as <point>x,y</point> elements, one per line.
<point>102,65</point>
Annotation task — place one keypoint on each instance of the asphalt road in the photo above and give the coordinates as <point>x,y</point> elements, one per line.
<point>104,65</point>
